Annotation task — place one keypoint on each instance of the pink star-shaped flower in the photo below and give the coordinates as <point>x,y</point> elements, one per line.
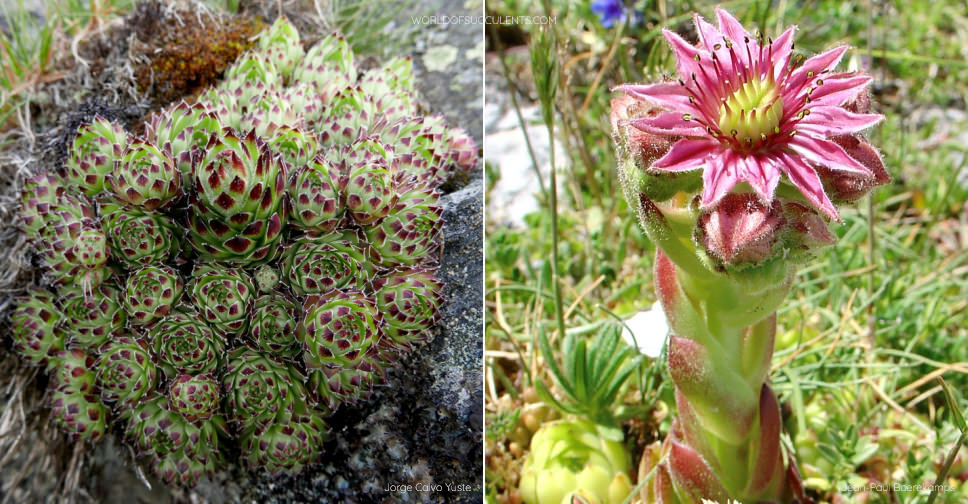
<point>743,113</point>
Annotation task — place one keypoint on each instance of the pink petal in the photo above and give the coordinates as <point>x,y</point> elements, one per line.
<point>829,121</point>
<point>669,123</point>
<point>686,63</point>
<point>826,153</point>
<point>734,31</point>
<point>687,154</point>
<point>719,177</point>
<point>782,48</point>
<point>817,64</point>
<point>839,88</point>
<point>709,35</point>
<point>762,175</point>
<point>808,183</point>
<point>664,94</point>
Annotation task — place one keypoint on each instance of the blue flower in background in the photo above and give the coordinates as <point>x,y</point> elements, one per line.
<point>609,11</point>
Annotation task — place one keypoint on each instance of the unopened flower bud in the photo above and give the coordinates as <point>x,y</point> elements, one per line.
<point>806,230</point>
<point>843,186</point>
<point>740,229</point>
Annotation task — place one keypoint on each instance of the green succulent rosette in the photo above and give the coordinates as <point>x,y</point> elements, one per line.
<point>150,293</point>
<point>328,66</point>
<point>38,199</point>
<point>280,45</point>
<point>239,207</point>
<point>338,328</point>
<point>159,432</point>
<point>73,370</point>
<point>319,265</point>
<point>79,416</point>
<point>95,149</point>
<point>145,177</point>
<point>139,238</point>
<point>348,115</point>
<point>266,278</point>
<point>194,397</point>
<point>91,318</point>
<point>250,77</point>
<point>258,388</point>
<point>296,146</point>
<point>269,114</point>
<point>182,132</point>
<point>184,343</point>
<point>336,386</point>
<point>34,327</point>
<point>410,303</point>
<point>286,444</point>
<point>223,297</point>
<point>273,324</point>
<point>317,194</point>
<point>410,233</point>
<point>575,461</point>
<point>224,105</point>
<point>125,371</point>
<point>369,189</point>
<point>184,470</point>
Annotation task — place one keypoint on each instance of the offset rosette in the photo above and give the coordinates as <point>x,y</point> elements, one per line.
<point>150,293</point>
<point>316,192</point>
<point>349,114</point>
<point>421,146</point>
<point>270,113</point>
<point>34,327</point>
<point>391,88</point>
<point>223,297</point>
<point>73,370</point>
<point>266,278</point>
<point>280,45</point>
<point>194,397</point>
<point>250,77</point>
<point>285,445</point>
<point>335,386</point>
<point>463,150</point>
<point>139,238</point>
<point>38,199</point>
<point>90,319</point>
<point>410,303</point>
<point>318,265</point>
<point>182,132</point>
<point>338,329</point>
<point>296,146</point>
<point>184,343</point>
<point>257,388</point>
<point>239,205</point>
<point>74,407</point>
<point>328,66</point>
<point>126,372</point>
<point>96,147</point>
<point>369,187</point>
<point>145,177</point>
<point>410,233</point>
<point>180,451</point>
<point>225,106</point>
<point>273,325</point>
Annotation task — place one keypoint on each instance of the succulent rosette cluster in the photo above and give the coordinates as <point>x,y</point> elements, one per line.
<point>249,264</point>
<point>735,170</point>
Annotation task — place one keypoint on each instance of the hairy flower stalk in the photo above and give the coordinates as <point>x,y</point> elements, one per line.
<point>775,145</point>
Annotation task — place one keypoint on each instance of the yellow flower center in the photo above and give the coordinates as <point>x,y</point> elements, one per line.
<point>752,113</point>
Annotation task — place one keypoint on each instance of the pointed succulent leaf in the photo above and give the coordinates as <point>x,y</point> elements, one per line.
<point>182,132</point>
<point>328,65</point>
<point>150,293</point>
<point>250,77</point>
